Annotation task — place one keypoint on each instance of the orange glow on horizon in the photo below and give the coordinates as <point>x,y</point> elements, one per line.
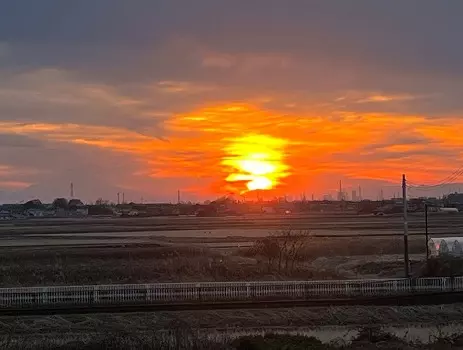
<point>238,147</point>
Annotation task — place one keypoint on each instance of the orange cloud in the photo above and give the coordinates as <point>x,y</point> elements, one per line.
<point>387,98</point>
<point>320,145</point>
<point>233,145</point>
<point>15,185</point>
<point>183,87</point>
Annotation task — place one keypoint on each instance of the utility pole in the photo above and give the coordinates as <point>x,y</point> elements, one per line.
<point>404,196</point>
<point>72,190</point>
<point>178,196</point>
<point>426,226</point>
<point>118,198</point>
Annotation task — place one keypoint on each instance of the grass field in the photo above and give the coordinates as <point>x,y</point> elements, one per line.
<point>256,225</point>
<point>177,261</point>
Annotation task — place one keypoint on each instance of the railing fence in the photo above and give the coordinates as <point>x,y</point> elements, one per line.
<point>221,291</point>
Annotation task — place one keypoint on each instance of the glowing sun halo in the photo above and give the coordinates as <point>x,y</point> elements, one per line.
<point>256,160</point>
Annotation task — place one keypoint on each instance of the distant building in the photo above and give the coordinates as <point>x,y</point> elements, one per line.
<point>268,210</point>
<point>454,200</point>
<point>35,212</point>
<point>33,204</point>
<point>5,215</point>
<point>60,203</point>
<point>75,203</point>
<point>327,197</point>
<point>354,196</point>
<point>77,208</point>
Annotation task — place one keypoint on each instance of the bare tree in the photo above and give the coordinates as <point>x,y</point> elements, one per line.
<point>101,201</point>
<point>268,247</point>
<point>291,244</point>
<point>285,247</point>
<point>298,242</point>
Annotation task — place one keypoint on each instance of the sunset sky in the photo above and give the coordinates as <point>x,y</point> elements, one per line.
<point>217,97</point>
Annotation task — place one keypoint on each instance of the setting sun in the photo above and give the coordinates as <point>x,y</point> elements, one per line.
<point>257,161</point>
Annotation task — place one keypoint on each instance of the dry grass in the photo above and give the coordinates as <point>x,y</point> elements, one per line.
<point>176,263</point>
<point>367,338</point>
<point>235,319</point>
<point>176,339</point>
<point>134,265</point>
<point>155,263</point>
<point>349,246</point>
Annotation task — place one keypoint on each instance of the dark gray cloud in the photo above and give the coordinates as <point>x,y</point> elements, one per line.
<point>387,155</point>
<point>405,139</point>
<point>417,36</point>
<point>399,146</point>
<point>19,141</point>
<point>56,96</point>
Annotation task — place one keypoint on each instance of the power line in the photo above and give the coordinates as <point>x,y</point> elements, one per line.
<point>449,179</point>
<point>441,183</point>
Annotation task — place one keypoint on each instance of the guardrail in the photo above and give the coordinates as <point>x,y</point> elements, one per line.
<point>159,293</point>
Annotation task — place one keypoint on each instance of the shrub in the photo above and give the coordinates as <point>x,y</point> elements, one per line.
<point>442,267</point>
